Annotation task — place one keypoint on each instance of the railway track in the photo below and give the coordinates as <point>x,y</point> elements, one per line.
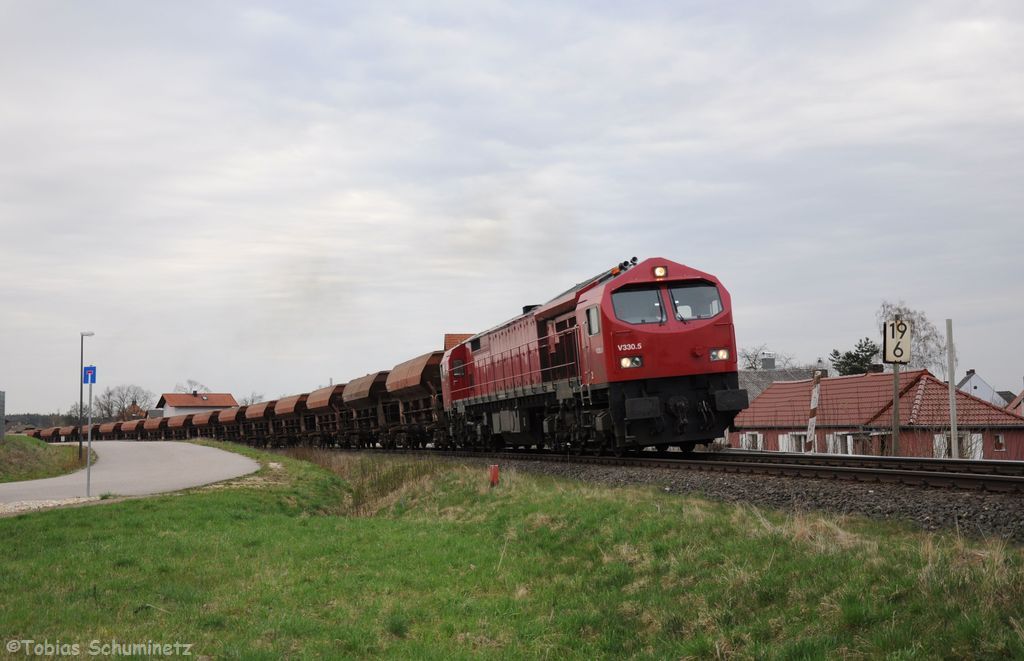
<point>991,476</point>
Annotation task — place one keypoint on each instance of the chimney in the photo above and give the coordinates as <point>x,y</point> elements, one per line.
<point>529,308</point>
<point>767,360</point>
<point>195,393</point>
<point>970,372</point>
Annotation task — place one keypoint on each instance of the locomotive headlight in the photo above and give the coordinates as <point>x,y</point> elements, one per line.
<point>660,271</point>
<point>719,354</point>
<point>631,361</point>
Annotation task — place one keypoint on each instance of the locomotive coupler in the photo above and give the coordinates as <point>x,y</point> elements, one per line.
<point>677,407</point>
<point>708,415</point>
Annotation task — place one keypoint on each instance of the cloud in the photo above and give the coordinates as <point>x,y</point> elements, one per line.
<point>276,195</point>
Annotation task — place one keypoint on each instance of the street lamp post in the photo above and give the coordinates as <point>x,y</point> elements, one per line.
<point>81,370</point>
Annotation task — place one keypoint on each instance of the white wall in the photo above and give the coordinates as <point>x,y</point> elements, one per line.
<point>977,386</point>
<point>170,411</point>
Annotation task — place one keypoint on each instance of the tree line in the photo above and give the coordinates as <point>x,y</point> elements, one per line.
<point>114,404</point>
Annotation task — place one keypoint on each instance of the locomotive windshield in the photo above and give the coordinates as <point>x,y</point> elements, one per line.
<point>639,306</point>
<point>699,300</point>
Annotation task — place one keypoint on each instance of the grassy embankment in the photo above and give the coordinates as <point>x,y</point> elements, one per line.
<point>26,458</point>
<point>386,556</point>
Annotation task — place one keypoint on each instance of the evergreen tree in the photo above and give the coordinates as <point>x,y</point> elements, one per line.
<point>857,361</point>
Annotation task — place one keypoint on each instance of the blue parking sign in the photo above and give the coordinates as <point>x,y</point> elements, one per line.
<point>89,374</point>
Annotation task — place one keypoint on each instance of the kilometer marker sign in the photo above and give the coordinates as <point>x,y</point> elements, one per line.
<point>896,342</point>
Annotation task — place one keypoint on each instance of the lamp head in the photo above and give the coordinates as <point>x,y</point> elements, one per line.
<point>87,333</point>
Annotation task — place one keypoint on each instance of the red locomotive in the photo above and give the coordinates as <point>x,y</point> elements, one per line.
<point>639,355</point>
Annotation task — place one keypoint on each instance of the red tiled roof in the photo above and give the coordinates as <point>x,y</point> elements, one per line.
<point>130,425</point>
<point>455,339</point>
<point>109,427</point>
<point>217,400</point>
<point>865,400</point>
<point>843,401</point>
<point>926,404</point>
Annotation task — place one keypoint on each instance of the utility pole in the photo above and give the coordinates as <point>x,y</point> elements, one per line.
<point>88,375</point>
<point>896,409</point>
<point>88,461</point>
<point>81,382</point>
<point>951,366</point>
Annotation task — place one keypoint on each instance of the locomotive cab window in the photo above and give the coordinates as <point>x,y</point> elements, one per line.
<point>593,321</point>
<point>699,300</point>
<point>639,306</point>
<point>458,368</point>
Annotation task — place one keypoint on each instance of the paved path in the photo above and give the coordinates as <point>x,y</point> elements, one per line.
<point>135,468</point>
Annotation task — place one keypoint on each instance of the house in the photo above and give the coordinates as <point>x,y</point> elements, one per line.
<point>854,416</point>
<point>973,384</point>
<point>756,381</point>
<point>133,412</point>
<point>177,403</point>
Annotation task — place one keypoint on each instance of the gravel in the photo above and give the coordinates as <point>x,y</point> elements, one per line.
<point>974,513</point>
<point>23,506</point>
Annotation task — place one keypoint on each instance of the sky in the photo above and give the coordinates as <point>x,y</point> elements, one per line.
<point>266,196</point>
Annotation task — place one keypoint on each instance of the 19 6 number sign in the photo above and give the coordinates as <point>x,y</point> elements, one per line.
<point>896,345</point>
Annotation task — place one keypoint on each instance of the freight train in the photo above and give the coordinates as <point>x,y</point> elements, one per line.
<point>641,355</point>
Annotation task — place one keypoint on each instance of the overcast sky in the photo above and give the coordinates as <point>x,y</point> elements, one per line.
<point>265,196</point>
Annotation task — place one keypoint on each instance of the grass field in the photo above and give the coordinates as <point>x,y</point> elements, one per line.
<point>26,458</point>
<point>380,556</point>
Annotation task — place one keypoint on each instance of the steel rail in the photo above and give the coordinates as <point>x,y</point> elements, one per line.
<point>982,467</point>
<point>890,470</point>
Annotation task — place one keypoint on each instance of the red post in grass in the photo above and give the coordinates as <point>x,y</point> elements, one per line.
<point>494,475</point>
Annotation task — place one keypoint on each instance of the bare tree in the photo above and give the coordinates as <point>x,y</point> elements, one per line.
<point>104,405</point>
<point>117,403</point>
<point>191,386</point>
<point>784,361</point>
<point>750,358</point>
<point>72,413</point>
<point>927,345</point>
<point>252,398</point>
